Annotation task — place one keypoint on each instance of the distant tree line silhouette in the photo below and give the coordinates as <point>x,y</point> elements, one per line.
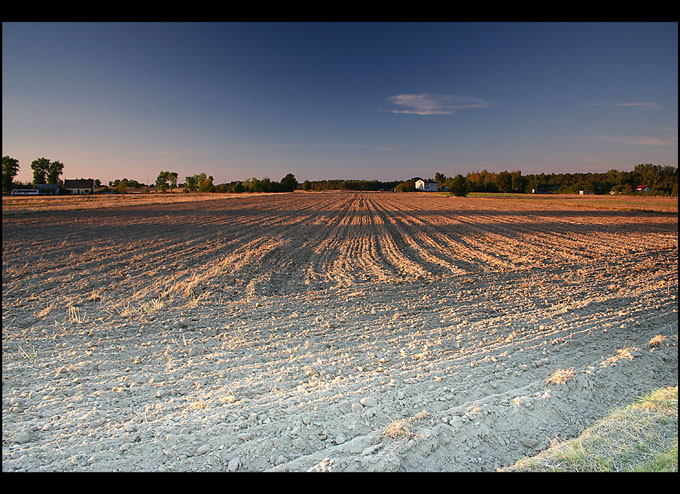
<point>661,180</point>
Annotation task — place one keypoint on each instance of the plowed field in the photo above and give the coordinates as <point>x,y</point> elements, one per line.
<point>327,331</point>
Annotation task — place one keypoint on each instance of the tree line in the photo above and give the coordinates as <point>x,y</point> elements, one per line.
<point>661,180</point>
<point>203,183</point>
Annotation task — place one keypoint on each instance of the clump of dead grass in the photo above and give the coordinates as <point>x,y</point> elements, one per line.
<point>658,340</point>
<point>626,353</point>
<point>561,376</point>
<point>401,428</point>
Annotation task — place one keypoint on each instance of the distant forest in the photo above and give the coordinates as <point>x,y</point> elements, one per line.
<point>662,180</point>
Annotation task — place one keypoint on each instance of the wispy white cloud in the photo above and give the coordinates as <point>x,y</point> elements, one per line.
<point>647,105</point>
<point>640,141</point>
<point>435,104</point>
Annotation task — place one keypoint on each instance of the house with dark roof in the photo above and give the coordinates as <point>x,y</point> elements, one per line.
<point>79,186</point>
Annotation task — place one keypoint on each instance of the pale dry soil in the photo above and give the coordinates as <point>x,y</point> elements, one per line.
<point>326,331</point>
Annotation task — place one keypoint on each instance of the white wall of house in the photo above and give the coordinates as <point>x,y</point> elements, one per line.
<point>427,186</point>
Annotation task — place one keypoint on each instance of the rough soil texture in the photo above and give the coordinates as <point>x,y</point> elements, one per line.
<point>326,331</point>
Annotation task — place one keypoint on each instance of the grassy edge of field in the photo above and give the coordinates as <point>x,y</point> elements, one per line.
<point>641,437</point>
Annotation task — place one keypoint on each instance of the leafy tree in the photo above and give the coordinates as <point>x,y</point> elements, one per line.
<point>172,176</point>
<point>459,186</point>
<point>519,183</point>
<point>54,169</point>
<point>122,186</point>
<point>162,181</point>
<point>504,182</point>
<point>10,168</point>
<point>166,180</point>
<point>307,185</point>
<point>40,168</point>
<point>254,185</point>
<point>191,184</point>
<point>205,184</point>
<point>406,186</point>
<point>289,183</point>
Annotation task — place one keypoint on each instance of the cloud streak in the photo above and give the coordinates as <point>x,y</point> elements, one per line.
<point>641,141</point>
<point>648,105</point>
<point>435,104</point>
<point>374,147</point>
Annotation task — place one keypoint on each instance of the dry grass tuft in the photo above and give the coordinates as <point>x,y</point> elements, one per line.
<point>198,405</point>
<point>397,428</point>
<point>401,427</point>
<point>658,340</point>
<point>44,312</point>
<point>561,376</point>
<point>627,353</point>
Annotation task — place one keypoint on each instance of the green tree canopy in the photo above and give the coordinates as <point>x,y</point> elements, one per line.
<point>191,183</point>
<point>10,168</point>
<point>205,184</point>
<point>40,168</point>
<point>172,176</point>
<point>54,169</point>
<point>459,186</point>
<point>165,179</point>
<point>289,183</point>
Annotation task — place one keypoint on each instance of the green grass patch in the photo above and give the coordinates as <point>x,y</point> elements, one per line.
<point>642,437</point>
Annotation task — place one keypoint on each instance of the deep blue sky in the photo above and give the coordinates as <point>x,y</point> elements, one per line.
<point>385,101</point>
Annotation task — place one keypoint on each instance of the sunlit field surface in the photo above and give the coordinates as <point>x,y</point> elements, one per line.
<point>326,331</point>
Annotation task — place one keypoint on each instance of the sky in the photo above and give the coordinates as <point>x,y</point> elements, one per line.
<point>385,101</point>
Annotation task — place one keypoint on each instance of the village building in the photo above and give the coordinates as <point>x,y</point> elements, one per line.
<point>79,186</point>
<point>642,188</point>
<point>427,185</point>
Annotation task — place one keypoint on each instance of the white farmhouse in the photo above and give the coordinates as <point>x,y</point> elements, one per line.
<point>427,185</point>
